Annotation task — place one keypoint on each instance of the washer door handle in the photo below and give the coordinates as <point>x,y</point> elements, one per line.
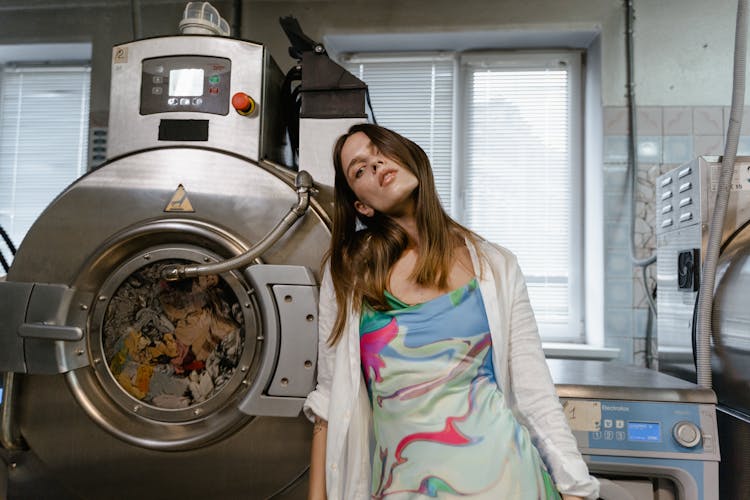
<point>286,349</point>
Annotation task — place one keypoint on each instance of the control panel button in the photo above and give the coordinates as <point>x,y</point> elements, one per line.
<point>685,186</point>
<point>686,201</point>
<point>666,194</point>
<point>243,103</point>
<point>157,90</point>
<point>197,101</point>
<point>172,101</point>
<point>214,79</point>
<point>666,181</point>
<point>684,172</point>
<point>666,223</point>
<point>666,209</point>
<point>184,101</point>
<point>686,216</point>
<point>213,90</point>
<point>158,79</point>
<point>687,434</point>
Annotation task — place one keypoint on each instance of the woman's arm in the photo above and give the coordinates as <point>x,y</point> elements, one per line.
<point>316,404</point>
<point>317,489</point>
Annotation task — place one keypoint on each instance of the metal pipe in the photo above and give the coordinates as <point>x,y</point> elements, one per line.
<point>716,228</point>
<point>304,185</point>
<point>10,437</point>
<point>135,12</point>
<point>632,178</point>
<point>236,19</point>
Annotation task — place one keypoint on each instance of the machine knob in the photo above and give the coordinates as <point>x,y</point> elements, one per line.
<point>243,103</point>
<point>687,434</point>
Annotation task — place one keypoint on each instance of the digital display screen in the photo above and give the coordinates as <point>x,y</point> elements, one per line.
<point>186,82</point>
<point>649,432</point>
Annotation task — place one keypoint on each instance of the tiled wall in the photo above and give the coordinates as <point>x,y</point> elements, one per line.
<point>667,137</point>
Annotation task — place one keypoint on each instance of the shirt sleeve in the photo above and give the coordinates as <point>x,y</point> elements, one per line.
<point>317,401</point>
<point>535,399</point>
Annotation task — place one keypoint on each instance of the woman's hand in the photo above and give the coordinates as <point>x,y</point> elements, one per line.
<point>571,497</point>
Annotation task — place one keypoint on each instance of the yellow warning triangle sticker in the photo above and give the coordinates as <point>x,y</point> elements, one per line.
<point>179,201</point>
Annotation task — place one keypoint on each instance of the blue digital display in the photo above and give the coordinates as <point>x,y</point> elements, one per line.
<point>649,432</point>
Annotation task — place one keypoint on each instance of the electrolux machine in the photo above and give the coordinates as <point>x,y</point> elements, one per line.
<point>135,367</point>
<point>644,434</point>
<point>685,198</point>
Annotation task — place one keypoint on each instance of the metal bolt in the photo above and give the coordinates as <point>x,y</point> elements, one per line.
<point>243,369</point>
<point>310,317</point>
<point>308,364</point>
<point>84,307</point>
<point>247,304</point>
<point>136,408</point>
<point>147,256</point>
<point>197,412</point>
<point>318,49</point>
<point>245,382</point>
<point>102,298</point>
<point>288,298</point>
<point>97,361</point>
<point>206,259</point>
<point>285,381</point>
<point>260,337</point>
<point>13,465</point>
<point>80,351</point>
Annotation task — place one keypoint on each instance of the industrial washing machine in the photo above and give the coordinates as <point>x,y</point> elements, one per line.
<point>685,200</point>
<point>121,381</point>
<point>645,435</point>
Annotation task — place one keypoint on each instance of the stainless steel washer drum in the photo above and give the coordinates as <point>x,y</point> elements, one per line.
<point>731,321</point>
<point>98,429</point>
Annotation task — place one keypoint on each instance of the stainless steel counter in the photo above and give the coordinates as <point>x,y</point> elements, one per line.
<point>608,380</point>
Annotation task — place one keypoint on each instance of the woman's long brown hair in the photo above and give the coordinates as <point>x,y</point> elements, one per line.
<point>360,260</point>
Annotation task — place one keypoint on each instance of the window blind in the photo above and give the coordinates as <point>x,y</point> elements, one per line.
<point>505,140</point>
<point>44,112</point>
<point>519,179</point>
<point>414,96</point>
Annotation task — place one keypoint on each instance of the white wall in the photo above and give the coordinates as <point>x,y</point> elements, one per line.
<point>683,47</point>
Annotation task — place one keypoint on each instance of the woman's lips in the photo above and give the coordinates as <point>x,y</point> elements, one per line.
<point>387,177</point>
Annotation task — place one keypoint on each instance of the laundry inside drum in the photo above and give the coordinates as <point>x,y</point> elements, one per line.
<point>173,344</point>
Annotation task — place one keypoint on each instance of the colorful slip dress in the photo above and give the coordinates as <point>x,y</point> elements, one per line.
<point>441,425</point>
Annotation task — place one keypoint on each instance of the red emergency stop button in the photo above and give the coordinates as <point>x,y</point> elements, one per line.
<point>243,103</point>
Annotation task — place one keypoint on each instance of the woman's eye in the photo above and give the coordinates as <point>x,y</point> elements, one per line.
<point>359,172</point>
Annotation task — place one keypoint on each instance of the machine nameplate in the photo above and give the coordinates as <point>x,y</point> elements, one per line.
<point>121,55</point>
<point>583,415</point>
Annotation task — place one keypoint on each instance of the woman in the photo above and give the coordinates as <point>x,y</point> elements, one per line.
<point>431,378</point>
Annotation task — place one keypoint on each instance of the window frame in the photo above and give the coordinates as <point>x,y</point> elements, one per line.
<point>574,331</point>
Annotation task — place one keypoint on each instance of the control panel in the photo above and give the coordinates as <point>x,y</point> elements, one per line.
<point>185,83</point>
<point>618,427</point>
<point>196,90</point>
<point>677,197</point>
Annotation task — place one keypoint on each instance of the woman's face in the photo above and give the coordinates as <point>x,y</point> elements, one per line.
<point>378,182</point>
